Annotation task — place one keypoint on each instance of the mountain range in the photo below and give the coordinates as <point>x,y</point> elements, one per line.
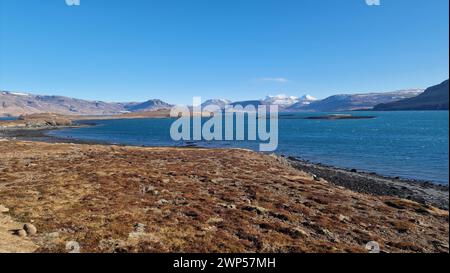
<point>434,98</point>
<point>283,101</point>
<point>15,104</point>
<point>352,102</point>
<point>336,103</point>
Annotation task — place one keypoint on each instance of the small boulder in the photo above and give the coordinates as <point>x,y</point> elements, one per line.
<point>316,178</point>
<point>215,220</point>
<point>228,206</point>
<point>330,235</point>
<point>300,232</point>
<point>139,227</point>
<point>162,202</point>
<point>21,233</point>
<point>258,210</point>
<point>3,209</point>
<point>52,235</point>
<point>30,229</point>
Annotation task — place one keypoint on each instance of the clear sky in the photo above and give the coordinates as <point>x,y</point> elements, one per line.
<point>134,50</point>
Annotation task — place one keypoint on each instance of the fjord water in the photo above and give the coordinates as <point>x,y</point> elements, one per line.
<point>411,145</point>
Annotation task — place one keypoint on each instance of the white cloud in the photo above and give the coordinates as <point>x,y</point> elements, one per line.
<point>279,80</point>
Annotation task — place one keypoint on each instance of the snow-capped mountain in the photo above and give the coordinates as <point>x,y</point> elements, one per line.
<point>308,98</point>
<point>218,102</point>
<point>433,98</point>
<point>349,102</point>
<point>286,101</point>
<point>281,100</point>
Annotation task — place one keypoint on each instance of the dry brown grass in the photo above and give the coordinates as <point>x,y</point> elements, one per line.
<point>198,200</point>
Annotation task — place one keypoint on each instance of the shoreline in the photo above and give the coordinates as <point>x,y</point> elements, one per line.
<point>424,192</point>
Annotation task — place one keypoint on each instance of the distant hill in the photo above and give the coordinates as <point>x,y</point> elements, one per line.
<point>216,102</point>
<point>434,98</point>
<point>16,104</point>
<point>150,105</point>
<point>351,102</point>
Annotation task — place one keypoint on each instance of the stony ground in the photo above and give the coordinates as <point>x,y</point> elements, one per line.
<point>128,199</point>
<point>371,183</point>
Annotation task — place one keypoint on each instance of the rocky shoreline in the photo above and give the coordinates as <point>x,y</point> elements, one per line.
<point>423,192</point>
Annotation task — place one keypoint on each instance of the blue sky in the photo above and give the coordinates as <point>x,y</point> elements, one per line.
<point>135,50</point>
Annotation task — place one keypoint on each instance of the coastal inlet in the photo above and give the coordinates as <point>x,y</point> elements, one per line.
<point>411,145</point>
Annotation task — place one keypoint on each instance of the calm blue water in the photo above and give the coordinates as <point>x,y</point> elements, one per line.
<point>8,118</point>
<point>407,144</point>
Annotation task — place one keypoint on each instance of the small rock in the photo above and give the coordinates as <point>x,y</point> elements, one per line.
<point>73,247</point>
<point>326,232</point>
<point>228,206</point>
<point>153,210</point>
<point>30,229</point>
<point>259,210</point>
<point>215,220</point>
<point>191,213</point>
<point>21,233</point>
<point>217,180</point>
<point>316,178</point>
<point>3,209</point>
<point>67,230</point>
<point>423,223</point>
<point>53,235</point>
<point>139,227</point>
<point>344,218</point>
<point>442,244</point>
<point>209,228</point>
<point>301,232</point>
<point>162,202</point>
<point>147,189</point>
<point>330,235</point>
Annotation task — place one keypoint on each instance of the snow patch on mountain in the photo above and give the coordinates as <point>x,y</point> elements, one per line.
<point>217,102</point>
<point>282,100</point>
